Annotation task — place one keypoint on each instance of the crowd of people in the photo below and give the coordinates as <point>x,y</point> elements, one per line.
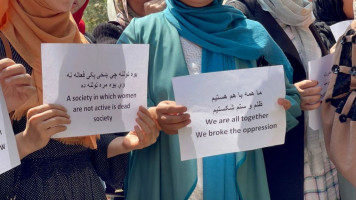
<point>185,37</point>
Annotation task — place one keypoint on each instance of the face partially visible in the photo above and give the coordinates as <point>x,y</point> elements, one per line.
<point>77,4</point>
<point>59,5</point>
<point>348,9</point>
<point>197,3</point>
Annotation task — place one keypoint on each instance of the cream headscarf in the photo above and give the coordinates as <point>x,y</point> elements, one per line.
<point>298,14</point>
<point>27,24</point>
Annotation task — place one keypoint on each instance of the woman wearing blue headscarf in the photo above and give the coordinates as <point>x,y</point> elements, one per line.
<point>191,37</point>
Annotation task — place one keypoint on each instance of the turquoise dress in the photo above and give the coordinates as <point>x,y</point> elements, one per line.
<point>157,172</point>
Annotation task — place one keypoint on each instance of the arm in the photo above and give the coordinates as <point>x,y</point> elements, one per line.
<point>43,122</point>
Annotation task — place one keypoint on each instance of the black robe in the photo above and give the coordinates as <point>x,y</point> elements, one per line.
<point>284,163</point>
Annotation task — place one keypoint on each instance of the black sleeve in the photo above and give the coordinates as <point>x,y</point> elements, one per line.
<point>8,182</point>
<point>111,170</point>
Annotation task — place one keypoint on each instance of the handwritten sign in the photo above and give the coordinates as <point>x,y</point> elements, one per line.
<point>233,111</point>
<point>9,156</point>
<point>319,70</point>
<point>101,86</point>
<point>339,28</point>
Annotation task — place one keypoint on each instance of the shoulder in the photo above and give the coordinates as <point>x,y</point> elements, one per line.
<point>149,21</point>
<point>256,27</point>
<point>147,28</point>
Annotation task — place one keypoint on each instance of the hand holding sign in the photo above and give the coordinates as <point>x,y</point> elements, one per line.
<point>145,134</point>
<point>319,70</point>
<point>42,123</point>
<point>310,94</point>
<point>15,83</point>
<point>171,117</point>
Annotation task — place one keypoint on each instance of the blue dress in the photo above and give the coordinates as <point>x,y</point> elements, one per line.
<point>156,172</point>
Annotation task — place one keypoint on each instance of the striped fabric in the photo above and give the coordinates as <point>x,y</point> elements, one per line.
<point>321,187</point>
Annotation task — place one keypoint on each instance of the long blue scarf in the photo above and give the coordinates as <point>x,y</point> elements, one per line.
<point>224,34</point>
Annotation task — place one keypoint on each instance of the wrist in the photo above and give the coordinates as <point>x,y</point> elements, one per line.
<point>116,147</point>
<point>24,146</point>
<point>153,113</point>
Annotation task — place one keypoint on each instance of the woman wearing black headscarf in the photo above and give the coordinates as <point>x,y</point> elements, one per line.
<point>333,11</point>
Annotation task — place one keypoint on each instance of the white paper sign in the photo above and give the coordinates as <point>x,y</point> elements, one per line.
<point>101,86</point>
<point>319,70</point>
<point>231,111</point>
<point>9,156</point>
<point>339,28</point>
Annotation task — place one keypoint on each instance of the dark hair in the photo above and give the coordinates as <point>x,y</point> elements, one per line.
<point>329,11</point>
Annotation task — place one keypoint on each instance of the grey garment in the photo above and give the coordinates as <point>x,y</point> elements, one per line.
<point>60,171</point>
<point>347,190</point>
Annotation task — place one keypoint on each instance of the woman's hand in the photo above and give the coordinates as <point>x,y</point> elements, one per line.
<point>285,103</point>
<point>310,94</point>
<point>15,83</point>
<point>42,123</point>
<point>170,117</point>
<point>144,135</point>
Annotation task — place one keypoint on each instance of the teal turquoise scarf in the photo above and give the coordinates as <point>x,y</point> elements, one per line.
<point>224,34</point>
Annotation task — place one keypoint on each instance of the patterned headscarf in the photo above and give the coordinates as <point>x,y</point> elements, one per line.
<point>124,13</point>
